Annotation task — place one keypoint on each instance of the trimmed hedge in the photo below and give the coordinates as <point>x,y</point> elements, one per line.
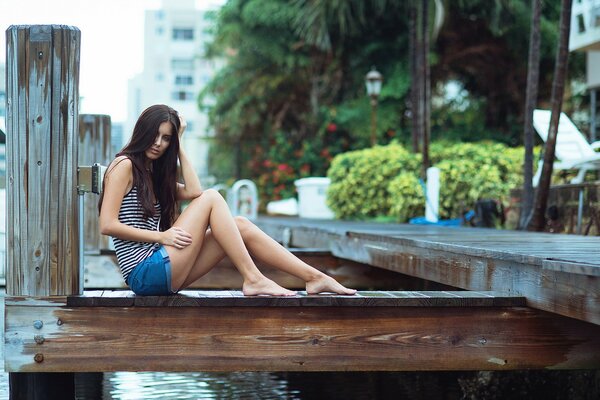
<point>360,180</point>
<point>383,181</point>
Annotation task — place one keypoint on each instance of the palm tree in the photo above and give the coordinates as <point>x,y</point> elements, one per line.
<point>533,76</point>
<point>558,88</point>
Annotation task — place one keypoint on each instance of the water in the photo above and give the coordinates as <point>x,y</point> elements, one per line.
<point>461,385</point>
<point>152,385</point>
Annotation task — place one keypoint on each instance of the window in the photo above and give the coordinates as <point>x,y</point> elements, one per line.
<point>596,16</point>
<point>182,95</point>
<point>159,31</point>
<point>160,77</point>
<point>160,14</point>
<point>184,80</point>
<point>183,34</point>
<point>182,63</point>
<point>580,23</point>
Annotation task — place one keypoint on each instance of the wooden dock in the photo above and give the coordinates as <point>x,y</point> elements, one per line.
<point>555,273</point>
<point>226,331</point>
<point>531,299</point>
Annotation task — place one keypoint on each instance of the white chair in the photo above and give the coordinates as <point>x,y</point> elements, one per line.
<point>572,149</point>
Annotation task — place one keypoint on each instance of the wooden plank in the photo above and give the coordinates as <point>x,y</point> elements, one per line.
<point>570,288</point>
<point>295,339</point>
<point>571,267</point>
<point>229,299</point>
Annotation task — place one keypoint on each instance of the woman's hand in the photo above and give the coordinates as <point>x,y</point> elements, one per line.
<point>182,126</point>
<point>176,237</point>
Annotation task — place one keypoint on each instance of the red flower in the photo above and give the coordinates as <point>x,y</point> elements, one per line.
<point>331,127</point>
<point>283,167</point>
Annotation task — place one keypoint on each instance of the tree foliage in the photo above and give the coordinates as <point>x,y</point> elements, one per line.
<point>295,68</point>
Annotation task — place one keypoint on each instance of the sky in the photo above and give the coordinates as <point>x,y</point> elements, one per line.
<point>112,44</point>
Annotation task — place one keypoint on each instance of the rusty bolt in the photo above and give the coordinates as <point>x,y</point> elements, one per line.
<point>39,339</point>
<point>39,357</point>
<point>37,324</point>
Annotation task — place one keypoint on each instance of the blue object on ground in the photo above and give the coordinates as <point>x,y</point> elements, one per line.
<point>441,222</point>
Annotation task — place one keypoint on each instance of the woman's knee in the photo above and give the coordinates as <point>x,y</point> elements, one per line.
<point>208,196</point>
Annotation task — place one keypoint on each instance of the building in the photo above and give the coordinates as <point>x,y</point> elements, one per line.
<point>175,72</point>
<point>2,102</point>
<point>2,126</point>
<point>585,36</point>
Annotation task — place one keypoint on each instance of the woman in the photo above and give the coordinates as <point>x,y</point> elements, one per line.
<point>160,253</point>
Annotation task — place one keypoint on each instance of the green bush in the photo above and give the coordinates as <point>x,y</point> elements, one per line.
<point>360,180</point>
<point>463,182</point>
<point>384,180</point>
<point>408,199</point>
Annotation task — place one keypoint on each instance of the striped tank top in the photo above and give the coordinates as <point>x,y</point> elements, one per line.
<point>130,253</point>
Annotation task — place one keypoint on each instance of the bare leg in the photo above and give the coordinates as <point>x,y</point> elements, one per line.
<point>211,209</point>
<point>263,247</point>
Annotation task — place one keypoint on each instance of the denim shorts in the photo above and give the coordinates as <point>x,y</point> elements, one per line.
<point>152,276</point>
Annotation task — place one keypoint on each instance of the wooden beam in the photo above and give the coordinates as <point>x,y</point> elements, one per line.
<point>252,337</point>
<point>93,147</point>
<point>42,97</point>
<point>41,153</point>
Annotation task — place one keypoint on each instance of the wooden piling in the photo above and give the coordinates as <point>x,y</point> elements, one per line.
<point>94,147</point>
<point>42,207</point>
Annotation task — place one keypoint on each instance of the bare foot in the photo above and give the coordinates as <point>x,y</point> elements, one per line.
<point>265,287</point>
<point>326,283</point>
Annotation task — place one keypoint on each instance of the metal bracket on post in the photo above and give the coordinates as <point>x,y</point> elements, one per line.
<point>89,180</point>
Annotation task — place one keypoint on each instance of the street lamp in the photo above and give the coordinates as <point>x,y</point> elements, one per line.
<point>373,82</point>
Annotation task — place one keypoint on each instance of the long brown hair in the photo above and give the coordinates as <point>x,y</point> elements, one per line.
<point>161,183</point>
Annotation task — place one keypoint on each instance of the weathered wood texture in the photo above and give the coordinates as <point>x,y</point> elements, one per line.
<point>556,273</point>
<point>93,147</point>
<point>42,113</point>
<point>226,298</point>
<point>102,272</point>
<point>294,338</point>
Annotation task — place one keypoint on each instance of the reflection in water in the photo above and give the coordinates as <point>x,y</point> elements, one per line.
<point>160,385</point>
<point>450,385</point>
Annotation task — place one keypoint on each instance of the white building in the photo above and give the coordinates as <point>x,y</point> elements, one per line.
<point>2,125</point>
<point>175,72</point>
<point>585,36</point>
<point>2,99</point>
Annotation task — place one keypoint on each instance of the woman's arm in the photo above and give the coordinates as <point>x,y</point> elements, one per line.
<point>191,187</point>
<point>117,182</point>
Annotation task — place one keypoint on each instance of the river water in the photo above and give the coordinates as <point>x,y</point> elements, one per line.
<point>471,385</point>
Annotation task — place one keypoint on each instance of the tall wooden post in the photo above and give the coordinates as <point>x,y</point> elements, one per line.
<point>42,207</point>
<point>94,147</point>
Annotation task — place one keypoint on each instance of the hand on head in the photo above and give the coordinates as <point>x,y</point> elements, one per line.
<point>182,125</point>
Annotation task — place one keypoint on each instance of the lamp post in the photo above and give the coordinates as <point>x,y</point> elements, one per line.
<point>373,82</point>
